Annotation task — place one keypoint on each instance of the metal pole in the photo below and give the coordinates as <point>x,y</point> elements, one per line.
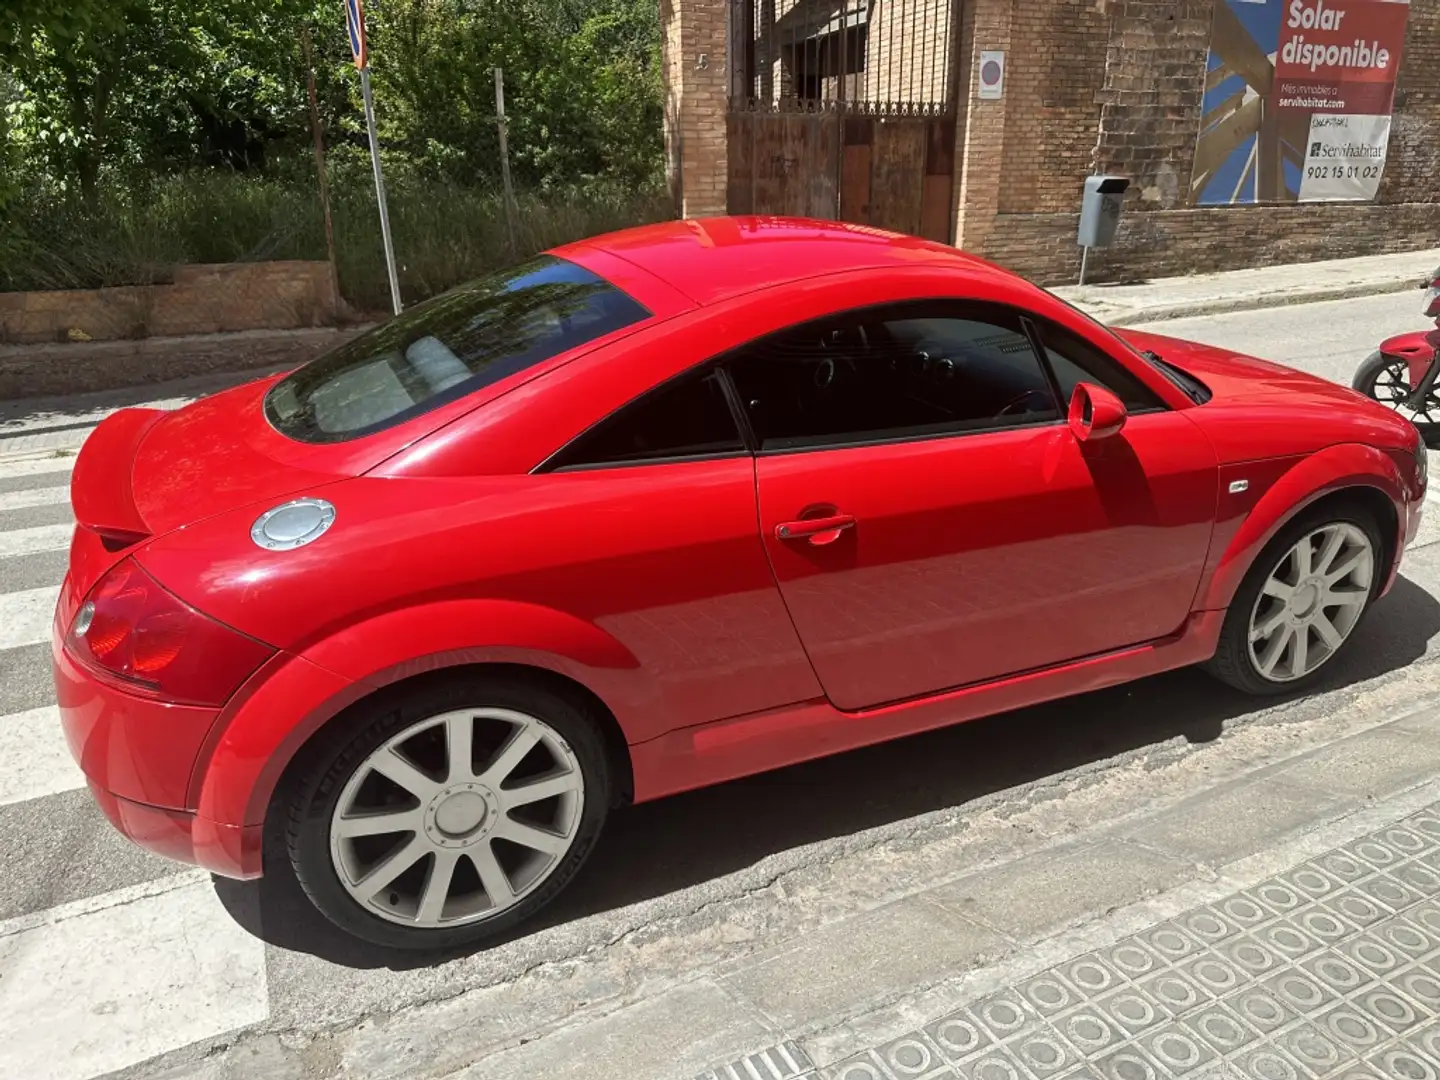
<point>1084,259</point>
<point>840,115</point>
<point>320,166</point>
<point>505,156</point>
<point>380,188</point>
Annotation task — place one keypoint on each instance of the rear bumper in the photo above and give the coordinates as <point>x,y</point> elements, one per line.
<point>231,851</point>
<point>138,756</point>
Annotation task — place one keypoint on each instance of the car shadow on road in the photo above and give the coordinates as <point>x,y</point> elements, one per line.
<point>663,847</point>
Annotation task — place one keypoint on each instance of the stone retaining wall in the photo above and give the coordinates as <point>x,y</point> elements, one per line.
<point>203,299</point>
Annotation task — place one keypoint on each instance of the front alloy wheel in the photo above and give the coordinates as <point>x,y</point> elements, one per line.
<point>1311,602</point>
<point>1301,602</point>
<point>452,815</point>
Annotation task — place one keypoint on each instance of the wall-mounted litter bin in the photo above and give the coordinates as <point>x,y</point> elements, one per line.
<point>1100,214</point>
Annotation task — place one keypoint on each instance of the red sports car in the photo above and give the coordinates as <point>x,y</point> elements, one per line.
<point>665,508</point>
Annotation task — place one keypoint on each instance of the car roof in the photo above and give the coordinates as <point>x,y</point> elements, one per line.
<point>710,260</point>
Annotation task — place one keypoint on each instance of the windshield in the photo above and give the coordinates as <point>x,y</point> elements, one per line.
<point>453,345</point>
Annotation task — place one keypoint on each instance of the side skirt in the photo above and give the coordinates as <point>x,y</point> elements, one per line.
<point>742,746</point>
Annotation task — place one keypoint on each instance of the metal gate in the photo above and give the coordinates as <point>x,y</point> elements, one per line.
<point>844,109</point>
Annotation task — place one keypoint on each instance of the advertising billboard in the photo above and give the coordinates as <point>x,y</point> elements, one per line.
<point>1298,95</point>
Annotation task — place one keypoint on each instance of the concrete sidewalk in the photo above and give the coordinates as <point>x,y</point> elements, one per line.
<point>1244,290</point>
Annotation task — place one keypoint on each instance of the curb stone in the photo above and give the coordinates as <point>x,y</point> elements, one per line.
<point>1252,302</point>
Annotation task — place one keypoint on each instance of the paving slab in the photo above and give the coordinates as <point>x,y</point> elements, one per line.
<point>880,954</point>
<point>1233,821</point>
<point>1049,891</point>
<point>653,1040</point>
<point>1372,763</point>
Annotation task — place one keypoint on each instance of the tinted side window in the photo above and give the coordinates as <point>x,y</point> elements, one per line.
<point>908,371</point>
<point>685,418</point>
<point>445,348</point>
<point>1074,360</point>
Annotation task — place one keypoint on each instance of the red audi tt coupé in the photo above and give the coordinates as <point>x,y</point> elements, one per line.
<point>661,509</point>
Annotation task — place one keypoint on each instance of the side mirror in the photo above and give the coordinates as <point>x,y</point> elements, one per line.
<point>1095,413</point>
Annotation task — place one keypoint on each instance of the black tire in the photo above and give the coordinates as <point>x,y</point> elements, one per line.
<point>1366,381</point>
<point>1368,373</point>
<point>309,796</point>
<point>1232,663</point>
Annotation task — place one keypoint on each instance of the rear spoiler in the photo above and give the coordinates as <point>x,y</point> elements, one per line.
<point>100,489</point>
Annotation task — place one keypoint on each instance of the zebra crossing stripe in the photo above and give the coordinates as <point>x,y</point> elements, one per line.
<point>34,760</point>
<point>105,983</point>
<point>25,617</point>
<point>35,466</point>
<point>34,540</point>
<point>24,500</point>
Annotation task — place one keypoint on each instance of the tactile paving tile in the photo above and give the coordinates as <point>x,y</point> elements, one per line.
<point>1327,971</point>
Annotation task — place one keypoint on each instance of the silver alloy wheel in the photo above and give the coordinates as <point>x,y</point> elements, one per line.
<point>1311,602</point>
<point>457,818</point>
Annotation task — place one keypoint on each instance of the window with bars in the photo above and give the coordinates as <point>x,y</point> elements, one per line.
<point>871,57</point>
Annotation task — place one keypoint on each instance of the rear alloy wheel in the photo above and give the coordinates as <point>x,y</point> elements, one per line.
<point>1301,603</point>
<point>447,822</point>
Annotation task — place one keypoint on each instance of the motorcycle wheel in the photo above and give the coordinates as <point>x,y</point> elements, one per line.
<point>1386,379</point>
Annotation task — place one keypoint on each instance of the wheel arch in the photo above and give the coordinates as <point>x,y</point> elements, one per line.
<point>617,749</point>
<point>284,707</point>
<point>1339,473</point>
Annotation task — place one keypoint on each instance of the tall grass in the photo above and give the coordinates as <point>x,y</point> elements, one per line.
<point>443,234</point>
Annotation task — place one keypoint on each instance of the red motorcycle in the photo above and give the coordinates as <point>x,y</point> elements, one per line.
<point>1403,374</point>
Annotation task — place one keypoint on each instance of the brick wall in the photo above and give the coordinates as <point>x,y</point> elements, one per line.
<point>203,299</point>
<point>1176,242</point>
<point>1116,86</point>
<point>696,70</point>
<point>1107,85</point>
<point>1053,75</point>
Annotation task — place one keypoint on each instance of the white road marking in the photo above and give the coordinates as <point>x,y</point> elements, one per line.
<point>34,759</point>
<point>31,541</point>
<point>105,983</point>
<point>25,617</point>
<point>24,500</point>
<point>34,466</point>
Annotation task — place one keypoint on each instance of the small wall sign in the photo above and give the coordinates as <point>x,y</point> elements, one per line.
<point>992,75</point>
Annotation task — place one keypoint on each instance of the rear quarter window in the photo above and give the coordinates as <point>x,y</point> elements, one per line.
<point>457,343</point>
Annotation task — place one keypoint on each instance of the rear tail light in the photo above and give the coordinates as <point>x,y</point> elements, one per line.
<point>136,634</point>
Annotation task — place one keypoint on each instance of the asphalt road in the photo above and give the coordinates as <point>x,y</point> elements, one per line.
<point>666,877</point>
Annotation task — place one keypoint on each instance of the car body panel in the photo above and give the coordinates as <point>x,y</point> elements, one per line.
<point>1285,490</point>
<point>1262,410</point>
<point>965,549</point>
<point>221,452</point>
<point>137,748</point>
<point>680,617</point>
<point>662,589</point>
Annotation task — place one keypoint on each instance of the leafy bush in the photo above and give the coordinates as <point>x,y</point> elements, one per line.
<point>139,135</point>
<point>443,233</point>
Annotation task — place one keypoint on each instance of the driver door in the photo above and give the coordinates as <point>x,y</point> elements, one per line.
<point>930,518</point>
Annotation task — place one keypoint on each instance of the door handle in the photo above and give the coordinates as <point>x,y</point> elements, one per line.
<point>819,531</point>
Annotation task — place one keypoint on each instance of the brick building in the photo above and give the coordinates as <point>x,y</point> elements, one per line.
<point>873,111</point>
